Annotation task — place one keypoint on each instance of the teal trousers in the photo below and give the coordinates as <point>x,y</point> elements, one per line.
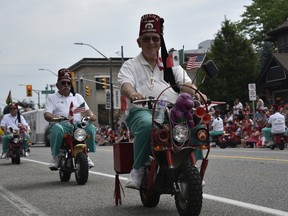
<point>268,134</point>
<point>139,122</point>
<point>5,142</point>
<point>58,130</point>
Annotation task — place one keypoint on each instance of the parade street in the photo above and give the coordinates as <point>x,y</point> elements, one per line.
<point>239,181</point>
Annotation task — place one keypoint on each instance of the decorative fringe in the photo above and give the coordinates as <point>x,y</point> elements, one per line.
<point>204,165</point>
<point>117,191</point>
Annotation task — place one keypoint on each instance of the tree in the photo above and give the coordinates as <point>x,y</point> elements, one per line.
<point>237,63</point>
<point>261,17</point>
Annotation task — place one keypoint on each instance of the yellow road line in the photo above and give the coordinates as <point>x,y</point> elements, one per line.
<point>250,158</point>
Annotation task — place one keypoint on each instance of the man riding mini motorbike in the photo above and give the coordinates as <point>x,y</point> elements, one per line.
<point>144,77</point>
<point>66,103</point>
<point>276,130</point>
<point>16,135</point>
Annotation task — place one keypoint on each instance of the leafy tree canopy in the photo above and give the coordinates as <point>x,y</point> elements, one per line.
<point>237,63</point>
<point>261,17</point>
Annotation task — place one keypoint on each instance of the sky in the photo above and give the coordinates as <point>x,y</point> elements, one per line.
<point>41,34</point>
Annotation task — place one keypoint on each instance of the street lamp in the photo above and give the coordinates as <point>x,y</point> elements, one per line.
<point>111,85</point>
<point>43,69</point>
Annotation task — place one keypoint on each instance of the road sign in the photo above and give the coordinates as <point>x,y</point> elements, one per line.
<point>108,99</point>
<point>252,91</point>
<point>48,92</point>
<point>117,99</point>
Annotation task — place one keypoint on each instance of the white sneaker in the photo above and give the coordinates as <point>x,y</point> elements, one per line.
<point>26,154</point>
<point>90,162</point>
<point>135,178</point>
<point>53,165</point>
<point>3,156</point>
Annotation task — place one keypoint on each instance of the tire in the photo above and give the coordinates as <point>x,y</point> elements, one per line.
<point>47,137</point>
<point>272,146</point>
<point>189,199</point>
<point>17,156</point>
<point>282,145</point>
<point>64,175</point>
<point>148,198</point>
<point>222,145</point>
<point>82,169</point>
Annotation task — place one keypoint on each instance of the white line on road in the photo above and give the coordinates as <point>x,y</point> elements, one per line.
<point>19,203</point>
<point>206,196</point>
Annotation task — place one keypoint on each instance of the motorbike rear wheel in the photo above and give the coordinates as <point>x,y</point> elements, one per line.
<point>82,169</point>
<point>148,198</point>
<point>189,199</point>
<point>64,175</point>
<point>282,145</point>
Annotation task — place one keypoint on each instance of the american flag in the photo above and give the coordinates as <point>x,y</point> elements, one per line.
<point>80,109</point>
<point>195,61</point>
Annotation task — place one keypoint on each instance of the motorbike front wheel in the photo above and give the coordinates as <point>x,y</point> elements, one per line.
<point>82,169</point>
<point>15,156</point>
<point>190,196</point>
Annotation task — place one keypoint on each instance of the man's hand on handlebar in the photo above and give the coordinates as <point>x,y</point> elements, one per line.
<point>136,96</point>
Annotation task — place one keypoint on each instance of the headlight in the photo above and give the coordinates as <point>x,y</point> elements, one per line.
<point>180,133</point>
<point>16,140</point>
<point>80,134</point>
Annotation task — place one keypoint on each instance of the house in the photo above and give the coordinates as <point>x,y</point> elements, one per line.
<point>274,76</point>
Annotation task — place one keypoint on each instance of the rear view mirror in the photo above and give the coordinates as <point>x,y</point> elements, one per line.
<point>210,68</point>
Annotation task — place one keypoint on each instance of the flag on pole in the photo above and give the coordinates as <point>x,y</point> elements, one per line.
<point>80,109</point>
<point>71,114</point>
<point>195,61</point>
<point>9,98</point>
<point>175,58</point>
<point>159,62</point>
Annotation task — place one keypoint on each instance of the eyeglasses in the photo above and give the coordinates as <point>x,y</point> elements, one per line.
<point>65,83</point>
<point>147,39</point>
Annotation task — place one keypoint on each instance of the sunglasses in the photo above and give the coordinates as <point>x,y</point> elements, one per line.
<point>147,39</point>
<point>65,83</point>
<point>12,108</point>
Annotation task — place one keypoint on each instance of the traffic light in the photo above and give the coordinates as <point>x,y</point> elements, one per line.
<point>29,90</point>
<point>104,80</point>
<point>87,90</point>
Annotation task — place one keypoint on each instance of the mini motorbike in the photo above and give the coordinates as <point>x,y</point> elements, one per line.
<point>73,153</point>
<point>279,141</point>
<point>16,148</point>
<point>171,168</point>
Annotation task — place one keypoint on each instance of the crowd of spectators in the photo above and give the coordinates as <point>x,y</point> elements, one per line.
<point>240,124</point>
<point>244,126</point>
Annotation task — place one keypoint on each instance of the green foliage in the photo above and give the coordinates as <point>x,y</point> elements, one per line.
<point>237,63</point>
<point>261,17</point>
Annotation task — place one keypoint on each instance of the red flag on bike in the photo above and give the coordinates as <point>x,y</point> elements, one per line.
<point>71,113</point>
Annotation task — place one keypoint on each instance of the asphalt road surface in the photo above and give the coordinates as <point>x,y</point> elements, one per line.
<point>238,182</point>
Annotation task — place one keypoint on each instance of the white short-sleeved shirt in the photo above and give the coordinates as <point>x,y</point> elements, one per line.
<point>147,81</point>
<point>277,121</point>
<point>217,124</point>
<point>59,105</point>
<point>12,121</point>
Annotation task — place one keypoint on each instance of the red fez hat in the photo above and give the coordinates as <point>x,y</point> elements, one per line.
<point>150,23</point>
<point>64,74</point>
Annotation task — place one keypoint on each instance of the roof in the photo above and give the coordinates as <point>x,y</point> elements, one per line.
<point>277,59</point>
<point>280,28</point>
